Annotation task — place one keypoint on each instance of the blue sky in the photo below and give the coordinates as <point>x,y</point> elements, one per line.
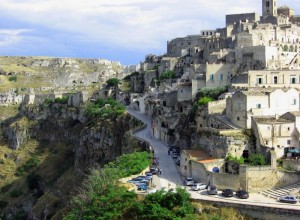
<point>118,30</point>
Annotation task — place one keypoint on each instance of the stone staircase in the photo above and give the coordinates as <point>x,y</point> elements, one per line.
<point>281,191</point>
<point>226,121</point>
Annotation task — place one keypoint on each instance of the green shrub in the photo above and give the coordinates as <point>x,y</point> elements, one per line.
<point>16,193</point>
<point>211,93</point>
<point>204,100</point>
<point>62,100</point>
<point>31,163</point>
<point>257,160</point>
<point>13,78</point>
<point>113,82</point>
<point>167,75</point>
<point>104,108</point>
<point>239,160</point>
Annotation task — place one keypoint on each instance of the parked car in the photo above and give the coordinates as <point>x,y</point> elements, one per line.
<point>212,190</point>
<point>227,193</point>
<point>137,181</point>
<point>242,194</point>
<point>142,187</point>
<point>189,181</point>
<point>288,199</point>
<point>199,186</point>
<point>149,175</point>
<point>154,170</point>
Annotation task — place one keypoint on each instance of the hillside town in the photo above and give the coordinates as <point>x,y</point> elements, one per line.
<point>256,59</point>
<point>220,110</point>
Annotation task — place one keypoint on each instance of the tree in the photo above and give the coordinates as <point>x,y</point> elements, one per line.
<point>257,160</point>
<point>113,82</point>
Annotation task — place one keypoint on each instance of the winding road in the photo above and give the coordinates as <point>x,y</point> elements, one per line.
<point>170,177</point>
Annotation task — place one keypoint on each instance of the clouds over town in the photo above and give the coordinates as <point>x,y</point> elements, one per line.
<point>124,30</point>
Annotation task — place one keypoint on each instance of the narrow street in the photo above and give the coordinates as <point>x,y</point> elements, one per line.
<point>170,177</point>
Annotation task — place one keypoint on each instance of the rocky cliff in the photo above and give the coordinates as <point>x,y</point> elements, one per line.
<point>67,145</point>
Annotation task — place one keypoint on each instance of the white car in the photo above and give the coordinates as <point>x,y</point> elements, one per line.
<point>199,186</point>
<point>189,181</point>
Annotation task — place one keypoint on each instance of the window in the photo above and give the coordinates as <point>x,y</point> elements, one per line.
<point>288,142</point>
<point>258,105</point>
<point>267,142</point>
<point>294,102</point>
<point>259,80</point>
<point>275,80</point>
<point>288,128</point>
<point>211,77</point>
<point>238,118</point>
<point>269,128</point>
<point>293,80</point>
<point>221,77</point>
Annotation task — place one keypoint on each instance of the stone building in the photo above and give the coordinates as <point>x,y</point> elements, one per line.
<point>243,105</point>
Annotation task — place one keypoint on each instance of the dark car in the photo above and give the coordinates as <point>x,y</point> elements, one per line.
<point>154,170</point>
<point>242,194</point>
<point>227,193</point>
<point>212,190</point>
<point>288,199</point>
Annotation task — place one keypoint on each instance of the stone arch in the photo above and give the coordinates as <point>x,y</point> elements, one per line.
<point>291,48</point>
<point>285,48</point>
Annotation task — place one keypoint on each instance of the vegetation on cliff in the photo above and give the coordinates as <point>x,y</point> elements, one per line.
<point>103,197</point>
<point>104,108</point>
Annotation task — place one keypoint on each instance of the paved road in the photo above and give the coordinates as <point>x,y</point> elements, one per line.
<point>170,174</point>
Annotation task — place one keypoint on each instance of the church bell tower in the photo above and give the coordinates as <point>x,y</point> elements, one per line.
<point>269,7</point>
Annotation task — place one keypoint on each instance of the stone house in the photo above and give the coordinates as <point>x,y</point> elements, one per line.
<point>260,102</point>
<point>267,78</point>
<point>275,133</point>
<point>186,157</point>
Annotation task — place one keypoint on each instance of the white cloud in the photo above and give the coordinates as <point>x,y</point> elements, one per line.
<point>134,24</point>
<point>11,36</point>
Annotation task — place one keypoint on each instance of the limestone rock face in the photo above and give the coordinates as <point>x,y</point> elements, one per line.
<point>95,142</point>
<point>17,134</point>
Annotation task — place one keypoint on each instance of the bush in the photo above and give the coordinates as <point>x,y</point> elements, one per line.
<point>211,93</point>
<point>31,163</point>
<point>239,160</point>
<point>167,75</point>
<point>13,78</point>
<point>62,100</point>
<point>130,164</point>
<point>128,77</point>
<point>113,82</point>
<point>104,108</point>
<point>204,100</point>
<point>16,193</point>
<point>257,160</point>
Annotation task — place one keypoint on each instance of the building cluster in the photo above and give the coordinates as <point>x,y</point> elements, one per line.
<point>256,57</point>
